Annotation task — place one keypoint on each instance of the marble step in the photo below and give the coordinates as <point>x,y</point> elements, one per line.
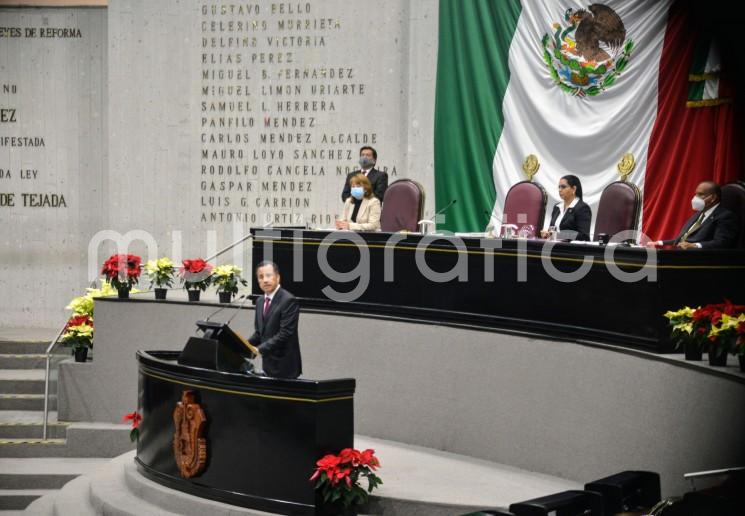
<point>18,499</point>
<point>26,402</point>
<point>32,430</point>
<point>22,348</point>
<point>26,381</point>
<point>22,361</point>
<point>29,447</point>
<point>44,473</point>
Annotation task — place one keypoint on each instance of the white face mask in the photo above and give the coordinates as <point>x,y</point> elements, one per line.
<point>697,203</point>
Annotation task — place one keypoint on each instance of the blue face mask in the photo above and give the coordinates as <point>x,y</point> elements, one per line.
<point>358,192</point>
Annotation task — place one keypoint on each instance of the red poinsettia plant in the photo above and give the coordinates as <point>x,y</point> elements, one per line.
<point>136,419</point>
<point>718,326</point>
<point>195,274</point>
<point>338,476</point>
<point>122,270</point>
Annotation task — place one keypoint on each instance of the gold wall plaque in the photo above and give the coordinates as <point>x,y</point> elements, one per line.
<point>531,166</point>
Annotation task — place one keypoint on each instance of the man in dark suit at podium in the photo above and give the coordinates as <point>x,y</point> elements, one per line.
<point>275,323</point>
<point>378,179</point>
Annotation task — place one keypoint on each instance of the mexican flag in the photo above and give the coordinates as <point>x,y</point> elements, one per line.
<point>578,85</point>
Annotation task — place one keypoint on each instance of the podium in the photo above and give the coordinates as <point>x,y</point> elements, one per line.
<point>255,440</point>
<point>220,348</point>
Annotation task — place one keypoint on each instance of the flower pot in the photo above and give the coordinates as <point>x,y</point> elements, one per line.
<point>81,353</point>
<point>692,351</point>
<point>717,358</point>
<point>194,295</point>
<point>160,293</point>
<point>225,297</point>
<point>335,509</point>
<point>741,358</point>
<point>122,292</point>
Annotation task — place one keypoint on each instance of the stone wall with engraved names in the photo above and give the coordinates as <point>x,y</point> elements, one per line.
<point>53,163</point>
<point>217,116</point>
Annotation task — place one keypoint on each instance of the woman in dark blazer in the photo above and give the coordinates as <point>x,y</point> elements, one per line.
<point>571,216</point>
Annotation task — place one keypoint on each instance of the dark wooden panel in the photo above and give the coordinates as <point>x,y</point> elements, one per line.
<point>263,435</point>
<point>512,286</point>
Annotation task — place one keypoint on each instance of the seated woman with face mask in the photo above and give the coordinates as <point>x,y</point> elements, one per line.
<point>362,208</point>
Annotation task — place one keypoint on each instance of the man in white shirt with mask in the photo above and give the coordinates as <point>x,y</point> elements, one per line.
<point>711,227</point>
<point>378,178</point>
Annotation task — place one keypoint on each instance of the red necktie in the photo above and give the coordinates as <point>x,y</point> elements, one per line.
<point>267,302</point>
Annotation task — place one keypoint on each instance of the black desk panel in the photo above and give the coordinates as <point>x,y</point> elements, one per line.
<point>509,283</point>
<point>263,435</point>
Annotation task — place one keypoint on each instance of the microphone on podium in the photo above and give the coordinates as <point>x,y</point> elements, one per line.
<point>210,316</point>
<point>238,308</point>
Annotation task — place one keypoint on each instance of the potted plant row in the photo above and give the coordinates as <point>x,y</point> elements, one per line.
<point>718,329</point>
<point>122,271</point>
<point>196,276</point>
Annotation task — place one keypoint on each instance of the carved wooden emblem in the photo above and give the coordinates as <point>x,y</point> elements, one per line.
<point>189,447</point>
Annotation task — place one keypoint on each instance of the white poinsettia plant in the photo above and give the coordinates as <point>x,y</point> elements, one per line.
<point>227,278</point>
<point>160,272</point>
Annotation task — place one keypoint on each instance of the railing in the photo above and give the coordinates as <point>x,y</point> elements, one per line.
<point>46,380</point>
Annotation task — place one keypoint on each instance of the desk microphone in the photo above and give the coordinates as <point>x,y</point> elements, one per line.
<point>490,215</point>
<point>443,210</point>
<point>433,220</point>
<point>491,223</point>
<point>238,309</point>
<point>210,316</point>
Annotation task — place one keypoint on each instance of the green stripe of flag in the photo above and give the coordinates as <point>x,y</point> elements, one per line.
<point>472,77</point>
<point>700,53</point>
<point>696,90</point>
<point>698,66</point>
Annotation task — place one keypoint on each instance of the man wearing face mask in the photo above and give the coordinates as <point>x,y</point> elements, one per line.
<point>378,179</point>
<point>711,227</point>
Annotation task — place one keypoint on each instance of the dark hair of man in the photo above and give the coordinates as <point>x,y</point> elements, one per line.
<point>375,153</point>
<point>574,181</point>
<point>267,262</point>
<point>714,188</point>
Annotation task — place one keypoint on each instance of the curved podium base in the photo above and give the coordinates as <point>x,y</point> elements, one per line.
<point>418,482</point>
